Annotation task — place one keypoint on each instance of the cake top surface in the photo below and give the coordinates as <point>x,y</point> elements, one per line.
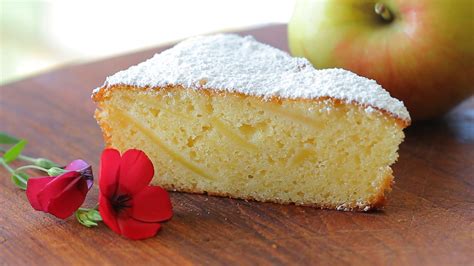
<point>232,63</point>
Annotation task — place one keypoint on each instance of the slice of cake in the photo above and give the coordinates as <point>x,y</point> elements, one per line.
<point>229,116</point>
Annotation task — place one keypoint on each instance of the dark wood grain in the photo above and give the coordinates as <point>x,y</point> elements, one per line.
<point>428,221</point>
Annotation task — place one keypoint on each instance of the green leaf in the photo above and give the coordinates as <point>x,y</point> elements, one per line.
<point>14,151</point>
<point>7,139</point>
<point>20,179</point>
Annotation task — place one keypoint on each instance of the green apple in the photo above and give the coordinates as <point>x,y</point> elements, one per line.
<point>421,51</point>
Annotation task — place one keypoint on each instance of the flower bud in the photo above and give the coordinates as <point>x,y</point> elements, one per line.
<point>63,192</point>
<point>55,171</point>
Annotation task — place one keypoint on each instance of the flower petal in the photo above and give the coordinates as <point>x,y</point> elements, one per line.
<point>77,165</point>
<point>84,168</point>
<point>152,204</point>
<point>136,230</point>
<point>109,170</point>
<point>108,214</point>
<point>35,186</point>
<point>136,172</point>
<point>69,200</point>
<point>55,187</point>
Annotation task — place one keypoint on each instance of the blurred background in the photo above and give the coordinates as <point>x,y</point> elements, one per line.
<point>38,35</point>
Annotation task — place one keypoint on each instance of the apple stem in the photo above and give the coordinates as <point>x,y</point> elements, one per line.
<point>383,12</point>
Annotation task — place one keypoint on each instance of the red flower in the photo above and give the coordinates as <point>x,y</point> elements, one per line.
<point>127,204</point>
<point>61,195</point>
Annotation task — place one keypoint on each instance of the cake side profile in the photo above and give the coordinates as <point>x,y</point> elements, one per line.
<point>226,115</point>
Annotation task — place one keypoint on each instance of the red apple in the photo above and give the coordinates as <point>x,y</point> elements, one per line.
<point>421,51</point>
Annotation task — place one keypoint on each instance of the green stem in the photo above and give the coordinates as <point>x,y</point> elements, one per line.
<point>18,176</point>
<point>6,166</point>
<point>383,11</point>
<point>32,167</point>
<point>22,157</point>
<point>27,158</point>
<point>88,209</point>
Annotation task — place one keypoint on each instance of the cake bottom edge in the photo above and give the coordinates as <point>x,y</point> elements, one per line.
<point>376,203</point>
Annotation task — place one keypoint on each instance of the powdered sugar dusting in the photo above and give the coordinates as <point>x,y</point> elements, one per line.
<point>232,63</point>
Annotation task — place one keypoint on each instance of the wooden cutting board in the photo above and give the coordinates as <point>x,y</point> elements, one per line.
<point>428,221</point>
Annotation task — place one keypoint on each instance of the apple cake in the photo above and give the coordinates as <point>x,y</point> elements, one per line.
<point>229,116</point>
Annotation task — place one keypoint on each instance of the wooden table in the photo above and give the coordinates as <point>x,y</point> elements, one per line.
<point>428,221</point>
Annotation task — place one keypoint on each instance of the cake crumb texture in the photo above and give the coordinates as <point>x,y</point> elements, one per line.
<point>322,152</point>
